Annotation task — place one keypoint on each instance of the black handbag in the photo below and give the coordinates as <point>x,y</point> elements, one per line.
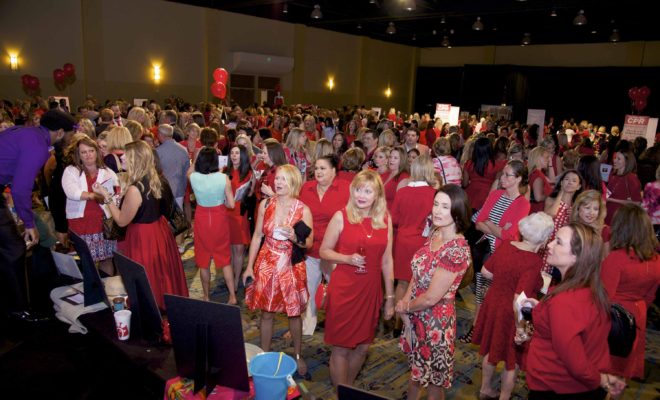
<point>622,332</point>
<point>177,220</point>
<point>112,231</point>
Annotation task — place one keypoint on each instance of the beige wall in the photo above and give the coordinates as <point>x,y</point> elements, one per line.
<point>113,45</point>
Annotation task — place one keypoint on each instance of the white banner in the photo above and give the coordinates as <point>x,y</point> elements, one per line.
<point>536,116</point>
<point>637,125</point>
<point>442,111</point>
<point>453,116</point>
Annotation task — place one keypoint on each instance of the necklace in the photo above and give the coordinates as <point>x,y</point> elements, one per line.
<point>369,235</point>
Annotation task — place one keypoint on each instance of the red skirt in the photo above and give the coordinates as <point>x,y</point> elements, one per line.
<point>153,246</point>
<point>211,240</point>
<point>239,227</point>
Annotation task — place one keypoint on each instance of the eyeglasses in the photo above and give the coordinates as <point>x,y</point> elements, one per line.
<point>511,175</point>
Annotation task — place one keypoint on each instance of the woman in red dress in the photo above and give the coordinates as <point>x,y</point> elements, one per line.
<point>589,209</point>
<point>496,327</point>
<point>428,305</point>
<point>480,172</point>
<point>539,184</point>
<point>409,218</point>
<point>239,173</point>
<point>631,274</point>
<point>279,285</point>
<point>359,241</point>
<point>351,164</point>
<point>149,240</point>
<point>624,186</point>
<point>397,175</point>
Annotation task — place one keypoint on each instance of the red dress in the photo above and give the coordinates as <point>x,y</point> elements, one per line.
<point>496,326</point>
<point>354,300</point>
<point>150,242</point>
<point>633,284</point>
<point>537,206</point>
<point>390,186</point>
<point>430,347</point>
<point>239,227</point>
<point>346,176</point>
<point>622,187</point>
<point>278,286</point>
<point>412,205</point>
<point>479,186</point>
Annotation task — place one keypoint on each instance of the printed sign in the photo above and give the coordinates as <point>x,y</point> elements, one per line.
<point>442,111</point>
<point>535,116</point>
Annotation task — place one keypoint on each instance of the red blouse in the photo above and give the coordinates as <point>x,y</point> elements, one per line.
<point>334,199</point>
<point>537,206</point>
<point>92,220</point>
<point>569,346</point>
<point>479,186</point>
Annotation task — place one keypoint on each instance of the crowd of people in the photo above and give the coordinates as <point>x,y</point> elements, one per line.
<point>367,217</point>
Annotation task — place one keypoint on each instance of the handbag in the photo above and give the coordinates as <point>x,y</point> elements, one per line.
<point>177,220</point>
<point>623,331</point>
<point>112,231</point>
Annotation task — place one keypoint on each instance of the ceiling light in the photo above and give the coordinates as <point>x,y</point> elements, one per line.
<point>580,19</point>
<point>553,13</point>
<point>285,10</point>
<point>372,1</point>
<point>359,26</point>
<point>443,20</point>
<point>435,32</point>
<point>316,14</point>
<point>478,25</point>
<point>594,32</point>
<point>526,40</point>
<point>445,42</point>
<point>615,36</point>
<point>409,5</point>
<point>391,30</point>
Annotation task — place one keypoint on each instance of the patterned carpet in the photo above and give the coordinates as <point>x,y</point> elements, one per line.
<point>385,370</point>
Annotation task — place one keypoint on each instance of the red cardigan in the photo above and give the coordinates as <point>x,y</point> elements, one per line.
<point>516,211</point>
<point>569,346</point>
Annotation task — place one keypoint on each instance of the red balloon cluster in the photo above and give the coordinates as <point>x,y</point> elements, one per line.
<point>638,97</point>
<point>65,75</point>
<point>30,83</point>
<point>219,87</point>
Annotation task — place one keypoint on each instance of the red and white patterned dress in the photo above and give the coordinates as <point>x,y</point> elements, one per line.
<point>278,286</point>
<point>560,220</point>
<point>430,345</point>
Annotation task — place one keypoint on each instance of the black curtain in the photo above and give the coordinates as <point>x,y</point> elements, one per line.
<point>598,94</point>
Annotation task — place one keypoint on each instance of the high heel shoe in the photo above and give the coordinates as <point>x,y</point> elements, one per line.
<point>467,338</point>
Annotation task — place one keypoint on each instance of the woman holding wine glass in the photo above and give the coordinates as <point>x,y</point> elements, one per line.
<point>359,240</point>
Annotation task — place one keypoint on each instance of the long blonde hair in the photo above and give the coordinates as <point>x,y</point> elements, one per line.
<point>139,164</point>
<point>378,208</point>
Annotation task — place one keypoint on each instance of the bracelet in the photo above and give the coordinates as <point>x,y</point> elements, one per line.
<point>107,200</point>
<point>391,296</point>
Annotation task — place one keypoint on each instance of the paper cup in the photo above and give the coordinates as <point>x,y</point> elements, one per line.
<point>123,323</point>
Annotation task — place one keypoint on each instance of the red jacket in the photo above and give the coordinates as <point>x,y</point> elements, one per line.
<point>516,211</point>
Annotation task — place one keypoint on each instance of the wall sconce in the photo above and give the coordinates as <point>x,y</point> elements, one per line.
<point>388,92</point>
<point>331,83</point>
<point>157,73</point>
<point>13,62</point>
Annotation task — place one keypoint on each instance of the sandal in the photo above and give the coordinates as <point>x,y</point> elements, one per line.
<point>302,371</point>
<point>467,338</point>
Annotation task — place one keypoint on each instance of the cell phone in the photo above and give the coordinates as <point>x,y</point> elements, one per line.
<point>526,313</point>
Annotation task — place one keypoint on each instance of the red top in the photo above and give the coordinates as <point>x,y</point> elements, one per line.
<point>479,186</point>
<point>569,346</point>
<point>277,135</point>
<point>346,176</point>
<point>267,177</point>
<point>334,199</point>
<point>547,189</point>
<point>184,143</point>
<point>311,135</point>
<point>518,210</point>
<point>390,186</point>
<point>633,284</point>
<point>92,220</point>
<point>622,187</point>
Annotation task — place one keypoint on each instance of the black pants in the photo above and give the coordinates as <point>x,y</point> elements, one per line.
<point>598,394</point>
<point>12,262</point>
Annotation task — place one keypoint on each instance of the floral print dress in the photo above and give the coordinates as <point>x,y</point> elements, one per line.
<point>429,343</point>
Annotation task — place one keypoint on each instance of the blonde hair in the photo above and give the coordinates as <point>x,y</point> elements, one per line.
<point>118,138</point>
<point>378,208</point>
<point>293,139</point>
<point>587,197</point>
<point>322,148</point>
<point>534,157</point>
<point>292,177</point>
<point>135,129</point>
<point>422,170</point>
<point>387,138</point>
<point>87,127</point>
<point>140,163</point>
<point>248,145</point>
<point>139,115</point>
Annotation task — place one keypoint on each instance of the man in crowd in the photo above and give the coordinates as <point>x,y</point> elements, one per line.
<point>106,121</point>
<point>23,152</point>
<point>169,117</point>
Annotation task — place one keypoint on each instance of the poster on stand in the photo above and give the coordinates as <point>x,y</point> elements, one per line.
<point>442,111</point>
<point>453,115</point>
<point>536,116</point>
<point>638,125</point>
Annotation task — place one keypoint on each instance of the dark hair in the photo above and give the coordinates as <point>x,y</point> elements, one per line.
<point>500,146</point>
<point>414,150</point>
<point>557,188</point>
<point>461,211</point>
<point>632,230</point>
<point>330,159</point>
<point>520,170</point>
<point>244,165</point>
<point>275,152</point>
<point>482,155</point>
<point>198,118</point>
<point>265,133</point>
<point>344,143</point>
<point>589,168</point>
<point>207,161</point>
<point>208,137</point>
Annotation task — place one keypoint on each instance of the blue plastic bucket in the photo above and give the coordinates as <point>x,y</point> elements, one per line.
<point>267,384</point>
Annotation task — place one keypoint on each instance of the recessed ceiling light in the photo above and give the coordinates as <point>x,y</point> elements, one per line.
<point>478,25</point>
<point>553,13</point>
<point>615,37</point>
<point>594,32</point>
<point>580,19</point>
<point>391,30</point>
<point>316,13</point>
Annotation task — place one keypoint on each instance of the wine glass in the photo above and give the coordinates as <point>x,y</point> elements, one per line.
<point>362,269</point>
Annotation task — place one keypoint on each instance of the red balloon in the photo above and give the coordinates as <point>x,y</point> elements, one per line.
<point>33,83</point>
<point>59,76</point>
<point>25,79</point>
<point>633,92</point>
<point>69,70</point>
<point>640,105</point>
<point>644,92</point>
<point>219,90</point>
<point>220,75</point>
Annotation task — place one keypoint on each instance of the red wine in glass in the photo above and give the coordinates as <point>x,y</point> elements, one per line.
<point>361,269</point>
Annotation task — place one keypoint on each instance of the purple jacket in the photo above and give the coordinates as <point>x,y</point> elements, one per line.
<point>23,152</point>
